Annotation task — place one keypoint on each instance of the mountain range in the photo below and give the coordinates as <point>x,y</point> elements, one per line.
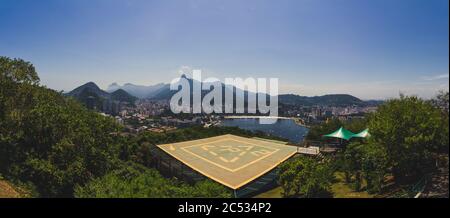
<point>130,93</point>
<point>90,90</point>
<point>139,90</point>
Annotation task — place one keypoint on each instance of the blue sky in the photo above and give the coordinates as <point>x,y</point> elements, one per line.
<point>373,49</point>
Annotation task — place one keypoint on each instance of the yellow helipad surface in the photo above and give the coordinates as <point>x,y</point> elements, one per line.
<point>230,160</point>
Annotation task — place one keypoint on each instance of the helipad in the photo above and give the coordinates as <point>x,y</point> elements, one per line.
<point>230,160</point>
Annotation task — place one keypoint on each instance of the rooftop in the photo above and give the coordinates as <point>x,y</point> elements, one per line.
<point>230,160</point>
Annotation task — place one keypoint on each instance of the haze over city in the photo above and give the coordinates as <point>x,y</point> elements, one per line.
<point>369,49</point>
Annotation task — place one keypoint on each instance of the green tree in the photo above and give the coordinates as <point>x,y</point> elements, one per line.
<point>441,102</point>
<point>306,176</point>
<point>136,181</point>
<point>48,139</point>
<point>374,166</point>
<point>410,130</point>
<point>350,164</point>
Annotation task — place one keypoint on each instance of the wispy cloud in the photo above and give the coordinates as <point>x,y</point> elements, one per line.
<point>435,77</point>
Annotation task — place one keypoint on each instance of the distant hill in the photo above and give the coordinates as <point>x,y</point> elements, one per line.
<point>163,93</point>
<point>374,102</point>
<point>325,100</point>
<point>122,95</point>
<point>89,87</point>
<point>92,96</point>
<point>130,93</point>
<point>137,90</point>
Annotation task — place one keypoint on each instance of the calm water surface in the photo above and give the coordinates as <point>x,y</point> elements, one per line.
<point>284,128</point>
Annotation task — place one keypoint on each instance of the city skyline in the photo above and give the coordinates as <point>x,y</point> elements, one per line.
<point>372,50</point>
